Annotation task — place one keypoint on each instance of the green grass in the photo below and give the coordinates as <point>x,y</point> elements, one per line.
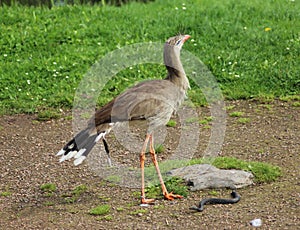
<point>42,64</point>
<point>120,209</point>
<point>174,184</point>
<point>244,120</point>
<point>230,107</point>
<point>290,98</point>
<point>5,194</point>
<point>205,120</point>
<point>296,104</point>
<point>213,193</point>
<point>139,211</point>
<point>48,114</point>
<point>159,148</point>
<point>263,172</point>
<point>80,189</point>
<point>100,210</point>
<point>48,188</point>
<point>236,114</point>
<point>171,123</point>
<point>75,194</point>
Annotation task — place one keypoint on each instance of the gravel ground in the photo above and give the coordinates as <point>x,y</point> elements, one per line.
<point>27,160</point>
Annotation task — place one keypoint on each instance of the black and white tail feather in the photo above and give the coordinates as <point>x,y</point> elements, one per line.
<point>81,145</point>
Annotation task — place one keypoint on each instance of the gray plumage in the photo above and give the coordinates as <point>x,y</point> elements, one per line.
<point>152,100</point>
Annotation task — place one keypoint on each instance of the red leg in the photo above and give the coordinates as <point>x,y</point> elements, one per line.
<point>168,196</point>
<point>142,162</point>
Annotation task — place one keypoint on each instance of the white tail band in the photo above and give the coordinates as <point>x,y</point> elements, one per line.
<point>79,160</point>
<point>79,154</point>
<point>61,152</point>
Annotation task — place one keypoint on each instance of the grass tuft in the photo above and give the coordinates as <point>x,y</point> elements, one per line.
<point>49,114</point>
<point>79,190</point>
<point>236,114</point>
<point>174,184</point>
<point>100,210</point>
<point>5,194</point>
<point>171,123</point>
<point>296,104</point>
<point>263,172</point>
<point>139,211</point>
<point>206,120</point>
<point>159,148</point>
<point>244,120</point>
<point>48,188</point>
<point>75,194</point>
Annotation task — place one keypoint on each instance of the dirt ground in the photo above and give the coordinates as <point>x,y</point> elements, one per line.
<point>27,161</point>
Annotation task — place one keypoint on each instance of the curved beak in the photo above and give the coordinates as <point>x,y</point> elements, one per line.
<point>186,37</point>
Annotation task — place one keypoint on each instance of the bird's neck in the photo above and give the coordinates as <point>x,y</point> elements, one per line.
<point>175,69</point>
<point>178,78</point>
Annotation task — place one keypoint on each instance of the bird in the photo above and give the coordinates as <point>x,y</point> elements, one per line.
<point>152,100</point>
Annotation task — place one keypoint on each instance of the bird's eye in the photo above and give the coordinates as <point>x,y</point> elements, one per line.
<point>178,42</point>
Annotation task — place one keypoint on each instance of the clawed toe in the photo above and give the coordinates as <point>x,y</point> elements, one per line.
<point>171,196</point>
<point>147,201</point>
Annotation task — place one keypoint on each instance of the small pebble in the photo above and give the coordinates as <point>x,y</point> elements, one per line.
<point>256,222</point>
<point>144,205</point>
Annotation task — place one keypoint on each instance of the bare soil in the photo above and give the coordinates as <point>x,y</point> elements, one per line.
<point>27,160</point>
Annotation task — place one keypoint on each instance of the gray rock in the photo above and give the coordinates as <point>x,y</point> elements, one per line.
<point>204,176</point>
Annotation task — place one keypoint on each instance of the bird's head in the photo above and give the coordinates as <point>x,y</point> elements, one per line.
<point>172,50</point>
<point>178,41</point>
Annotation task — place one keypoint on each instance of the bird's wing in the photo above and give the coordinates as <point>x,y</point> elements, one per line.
<point>143,101</point>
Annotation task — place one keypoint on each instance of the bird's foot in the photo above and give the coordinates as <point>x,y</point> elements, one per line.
<point>147,201</point>
<point>171,196</point>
